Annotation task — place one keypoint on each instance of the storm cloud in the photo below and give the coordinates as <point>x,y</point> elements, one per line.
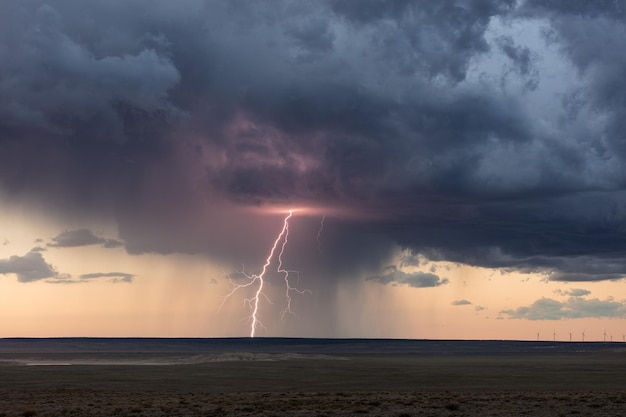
<point>487,133</point>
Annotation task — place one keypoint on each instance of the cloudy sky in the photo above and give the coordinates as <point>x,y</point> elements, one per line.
<point>456,168</point>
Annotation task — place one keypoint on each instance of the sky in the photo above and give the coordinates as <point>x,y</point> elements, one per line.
<point>454,169</point>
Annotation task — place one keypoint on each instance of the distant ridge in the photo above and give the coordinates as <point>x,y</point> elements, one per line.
<point>297,345</point>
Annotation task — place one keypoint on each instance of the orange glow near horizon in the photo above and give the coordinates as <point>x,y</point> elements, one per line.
<point>179,295</point>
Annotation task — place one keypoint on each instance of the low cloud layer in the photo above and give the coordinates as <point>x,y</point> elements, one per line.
<point>574,292</point>
<point>33,267</point>
<point>81,237</point>
<point>113,277</point>
<point>110,277</point>
<point>28,268</point>
<point>572,308</point>
<point>394,276</point>
<point>488,133</point>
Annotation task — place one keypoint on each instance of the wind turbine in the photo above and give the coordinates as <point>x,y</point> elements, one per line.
<point>554,335</point>
<point>538,336</point>
<point>583,335</point>
<point>570,336</point>
<point>604,335</point>
<point>623,337</point>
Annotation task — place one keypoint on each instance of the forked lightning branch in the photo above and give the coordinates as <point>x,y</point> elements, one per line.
<point>257,282</point>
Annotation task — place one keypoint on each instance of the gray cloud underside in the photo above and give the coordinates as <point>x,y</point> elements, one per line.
<point>488,133</point>
<point>33,267</point>
<point>461,303</point>
<point>81,237</point>
<point>574,292</point>
<point>115,277</point>
<point>111,277</point>
<point>572,308</point>
<point>28,268</point>
<point>416,280</point>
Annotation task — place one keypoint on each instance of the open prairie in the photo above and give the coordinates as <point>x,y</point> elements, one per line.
<point>270,381</point>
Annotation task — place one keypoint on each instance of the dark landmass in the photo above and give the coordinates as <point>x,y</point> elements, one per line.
<point>155,377</point>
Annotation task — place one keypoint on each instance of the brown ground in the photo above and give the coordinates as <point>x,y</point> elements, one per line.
<point>551,385</point>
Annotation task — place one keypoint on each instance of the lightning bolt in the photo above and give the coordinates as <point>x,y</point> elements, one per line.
<point>253,303</point>
<point>319,233</point>
<point>286,272</point>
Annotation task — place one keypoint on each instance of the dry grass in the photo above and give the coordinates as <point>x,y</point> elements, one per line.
<point>75,403</point>
<point>564,386</point>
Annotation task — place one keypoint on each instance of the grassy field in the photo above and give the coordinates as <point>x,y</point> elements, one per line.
<point>536,385</point>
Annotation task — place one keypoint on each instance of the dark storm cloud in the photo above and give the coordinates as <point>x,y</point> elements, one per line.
<point>171,117</point>
<point>590,34</point>
<point>520,55</point>
<point>28,268</point>
<point>594,8</point>
<point>56,83</point>
<point>434,39</point>
<point>81,237</point>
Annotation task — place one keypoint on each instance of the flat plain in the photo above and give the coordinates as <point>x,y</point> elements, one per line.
<point>274,384</point>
